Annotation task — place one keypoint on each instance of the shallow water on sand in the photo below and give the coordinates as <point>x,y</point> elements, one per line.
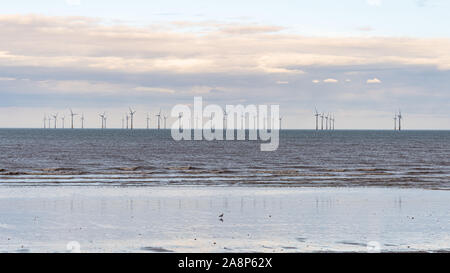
<point>186,219</point>
<point>418,159</point>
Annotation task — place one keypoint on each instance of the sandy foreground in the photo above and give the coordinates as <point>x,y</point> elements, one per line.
<point>186,219</point>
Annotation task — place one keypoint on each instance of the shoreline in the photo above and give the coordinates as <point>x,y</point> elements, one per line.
<point>256,219</point>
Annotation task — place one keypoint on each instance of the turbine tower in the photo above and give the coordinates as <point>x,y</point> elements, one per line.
<point>317,119</point>
<point>82,121</point>
<point>165,119</point>
<point>180,115</point>
<point>72,114</point>
<point>148,120</point>
<point>55,116</point>
<point>127,118</point>
<point>395,122</point>
<point>45,121</point>
<point>321,117</point>
<point>326,122</point>
<point>62,119</point>
<point>225,120</point>
<point>159,119</point>
<point>102,116</point>
<point>131,117</point>
<point>123,123</point>
<point>399,120</point>
<point>280,122</point>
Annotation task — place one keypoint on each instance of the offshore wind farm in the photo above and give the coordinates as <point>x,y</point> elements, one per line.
<point>236,126</point>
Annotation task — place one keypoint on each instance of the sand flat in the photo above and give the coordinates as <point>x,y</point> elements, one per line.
<point>186,219</point>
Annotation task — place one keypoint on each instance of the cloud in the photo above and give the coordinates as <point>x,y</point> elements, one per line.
<point>73,2</point>
<point>374,80</point>
<point>330,80</point>
<point>315,81</point>
<point>374,2</point>
<point>282,82</point>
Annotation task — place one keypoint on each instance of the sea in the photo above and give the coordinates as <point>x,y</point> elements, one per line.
<point>304,158</point>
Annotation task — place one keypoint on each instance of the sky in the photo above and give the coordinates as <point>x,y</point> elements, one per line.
<point>360,60</point>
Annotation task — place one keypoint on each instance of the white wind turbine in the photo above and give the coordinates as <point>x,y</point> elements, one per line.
<point>148,121</point>
<point>131,117</point>
<point>326,122</point>
<point>102,116</point>
<point>395,122</point>
<point>400,120</point>
<point>159,119</point>
<point>62,119</point>
<point>322,116</point>
<point>317,119</point>
<point>82,121</point>
<point>180,115</point>
<point>225,119</point>
<point>45,121</point>
<point>55,116</point>
<point>72,114</point>
<point>127,118</point>
<point>165,119</point>
<point>280,122</point>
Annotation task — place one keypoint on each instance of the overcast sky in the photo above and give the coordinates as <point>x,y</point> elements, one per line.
<point>361,60</point>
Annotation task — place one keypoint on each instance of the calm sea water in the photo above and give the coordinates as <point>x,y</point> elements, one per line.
<point>418,159</point>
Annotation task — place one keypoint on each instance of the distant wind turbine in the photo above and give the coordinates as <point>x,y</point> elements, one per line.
<point>400,120</point>
<point>395,122</point>
<point>225,120</point>
<point>148,120</point>
<point>102,116</point>
<point>45,121</point>
<point>326,122</point>
<point>82,121</point>
<point>72,114</point>
<point>127,118</point>
<point>55,116</point>
<point>159,119</point>
<point>62,119</point>
<point>317,119</point>
<point>165,119</point>
<point>280,122</point>
<point>131,117</point>
<point>180,115</point>
<point>322,116</point>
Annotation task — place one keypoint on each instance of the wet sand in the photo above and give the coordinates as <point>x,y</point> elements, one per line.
<point>186,219</point>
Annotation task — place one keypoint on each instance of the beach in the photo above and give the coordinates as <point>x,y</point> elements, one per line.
<point>255,219</point>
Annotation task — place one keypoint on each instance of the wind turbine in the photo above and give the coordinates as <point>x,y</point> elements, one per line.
<point>225,120</point>
<point>45,121</point>
<point>123,122</point>
<point>395,122</point>
<point>180,115</point>
<point>82,121</point>
<point>400,120</point>
<point>49,120</point>
<point>280,122</point>
<point>333,123</point>
<point>127,117</point>
<point>165,119</point>
<point>102,116</point>
<point>326,122</point>
<point>131,116</point>
<point>148,120</point>
<point>322,116</point>
<point>159,119</point>
<point>72,114</point>
<point>62,118</point>
<point>317,119</point>
<point>55,116</point>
